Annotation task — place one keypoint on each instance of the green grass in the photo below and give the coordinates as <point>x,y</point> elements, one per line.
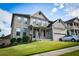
<point>34,48</point>
<point>75,53</point>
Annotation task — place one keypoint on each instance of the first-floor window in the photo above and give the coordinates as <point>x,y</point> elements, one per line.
<point>18,30</point>
<point>24,31</point>
<point>18,33</point>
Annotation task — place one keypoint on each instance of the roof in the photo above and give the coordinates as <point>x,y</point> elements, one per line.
<point>52,22</point>
<point>71,20</point>
<point>6,37</point>
<point>41,14</point>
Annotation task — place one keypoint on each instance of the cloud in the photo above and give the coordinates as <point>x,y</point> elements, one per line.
<point>5,21</point>
<point>74,13</point>
<point>59,5</point>
<point>54,10</point>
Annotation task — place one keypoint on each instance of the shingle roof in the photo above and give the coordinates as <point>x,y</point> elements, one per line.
<point>71,20</point>
<point>51,22</point>
<point>6,37</point>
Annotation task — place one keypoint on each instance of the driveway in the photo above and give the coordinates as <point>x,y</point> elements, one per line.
<point>58,52</point>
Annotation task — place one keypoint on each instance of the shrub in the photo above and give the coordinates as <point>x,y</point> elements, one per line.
<point>19,40</point>
<point>2,45</point>
<point>13,40</point>
<point>26,39</point>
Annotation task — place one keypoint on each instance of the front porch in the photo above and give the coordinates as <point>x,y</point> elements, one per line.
<point>38,33</point>
<point>73,32</point>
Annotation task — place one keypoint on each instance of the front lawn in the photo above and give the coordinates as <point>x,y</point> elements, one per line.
<point>35,47</point>
<point>75,53</point>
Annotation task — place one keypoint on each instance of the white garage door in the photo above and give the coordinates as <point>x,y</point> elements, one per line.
<point>57,36</point>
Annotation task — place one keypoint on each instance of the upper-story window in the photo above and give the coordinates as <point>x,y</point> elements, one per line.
<point>34,21</point>
<point>77,25</point>
<point>18,31</point>
<point>38,22</point>
<point>25,20</point>
<point>19,19</point>
<point>71,24</point>
<point>44,23</point>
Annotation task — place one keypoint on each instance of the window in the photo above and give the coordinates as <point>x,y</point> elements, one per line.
<point>34,21</point>
<point>44,23</point>
<point>25,20</point>
<point>18,30</point>
<point>24,31</point>
<point>71,24</point>
<point>19,19</point>
<point>74,24</point>
<point>38,22</point>
<point>18,33</point>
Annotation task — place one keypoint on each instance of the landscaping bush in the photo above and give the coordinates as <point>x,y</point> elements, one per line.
<point>19,40</point>
<point>13,40</point>
<point>26,39</point>
<point>2,45</point>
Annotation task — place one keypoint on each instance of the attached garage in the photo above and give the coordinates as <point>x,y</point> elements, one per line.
<point>58,29</point>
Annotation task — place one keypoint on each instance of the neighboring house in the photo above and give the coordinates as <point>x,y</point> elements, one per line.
<point>73,26</point>
<point>38,26</point>
<point>5,40</point>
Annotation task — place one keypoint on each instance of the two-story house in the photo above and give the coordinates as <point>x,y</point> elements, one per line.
<point>34,25</point>
<point>38,26</point>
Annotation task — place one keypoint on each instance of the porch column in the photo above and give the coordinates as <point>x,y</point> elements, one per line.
<point>77,32</point>
<point>32,32</point>
<point>74,29</point>
<point>40,32</point>
<point>74,32</point>
<point>69,32</point>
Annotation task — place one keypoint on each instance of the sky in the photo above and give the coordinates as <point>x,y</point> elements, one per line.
<point>52,11</point>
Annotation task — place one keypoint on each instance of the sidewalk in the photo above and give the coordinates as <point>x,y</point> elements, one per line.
<point>58,52</point>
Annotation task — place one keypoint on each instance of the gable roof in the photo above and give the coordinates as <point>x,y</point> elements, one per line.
<point>71,20</point>
<point>52,22</point>
<point>6,37</point>
<point>39,12</point>
<point>61,22</point>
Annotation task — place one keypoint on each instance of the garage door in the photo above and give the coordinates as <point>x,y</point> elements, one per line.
<point>56,36</point>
